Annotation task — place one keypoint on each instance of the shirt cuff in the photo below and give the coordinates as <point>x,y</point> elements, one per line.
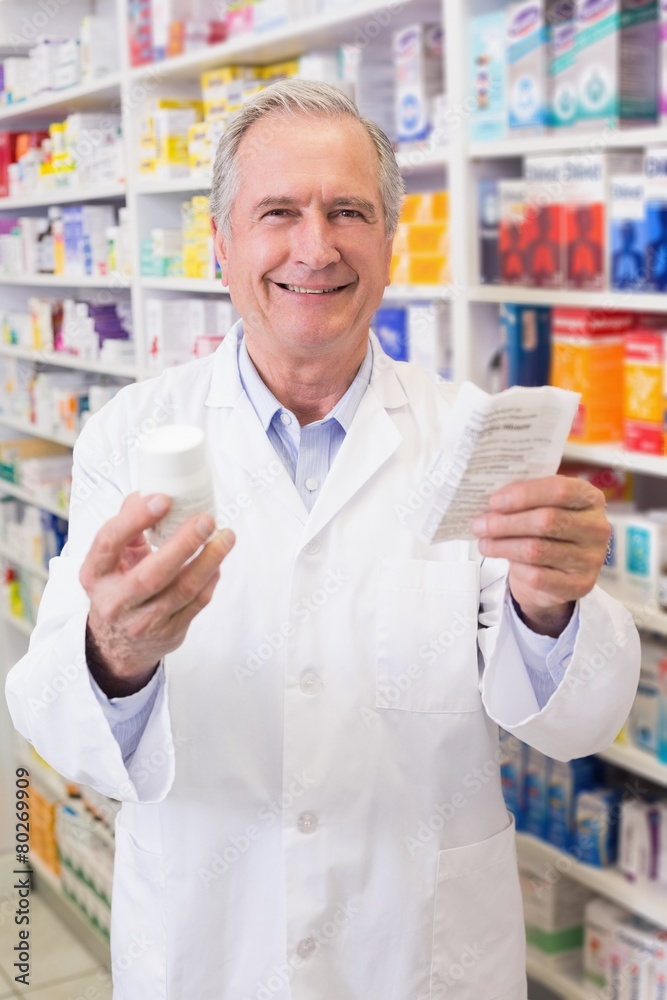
<point>543,653</point>
<point>122,709</point>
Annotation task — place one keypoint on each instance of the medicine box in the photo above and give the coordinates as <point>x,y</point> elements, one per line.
<point>566,781</point>
<point>596,827</point>
<point>526,340</point>
<point>418,67</point>
<point>390,326</point>
<point>544,225</point>
<point>554,915</point>
<point>637,854</point>
<point>587,179</point>
<point>655,193</point>
<point>511,240</point>
<point>587,357</point>
<point>601,917</point>
<point>486,45</point>
<point>488,231</point>
<point>617,62</point>
<point>627,233</point>
<point>526,66</point>
<point>561,67</point>
<point>645,377</point>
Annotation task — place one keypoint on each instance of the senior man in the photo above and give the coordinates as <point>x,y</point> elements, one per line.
<point>305,739</point>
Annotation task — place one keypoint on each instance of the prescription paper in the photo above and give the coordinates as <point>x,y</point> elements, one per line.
<point>512,436</point>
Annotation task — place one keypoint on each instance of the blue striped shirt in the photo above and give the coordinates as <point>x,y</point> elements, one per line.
<point>307,453</point>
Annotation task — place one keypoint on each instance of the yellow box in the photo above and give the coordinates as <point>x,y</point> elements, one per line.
<point>593,367</point>
<point>427,206</point>
<point>147,165</point>
<point>173,149</point>
<point>428,269</point>
<point>421,237</point>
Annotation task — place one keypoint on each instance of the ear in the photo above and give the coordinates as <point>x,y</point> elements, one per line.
<point>221,251</point>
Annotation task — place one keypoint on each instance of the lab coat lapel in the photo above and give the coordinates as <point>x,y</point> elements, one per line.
<point>240,434</point>
<point>372,438</point>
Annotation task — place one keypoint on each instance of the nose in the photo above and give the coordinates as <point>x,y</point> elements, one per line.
<point>314,244</point>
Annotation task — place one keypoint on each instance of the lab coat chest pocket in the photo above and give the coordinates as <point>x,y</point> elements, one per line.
<point>138,903</point>
<point>426,655</point>
<point>478,932</point>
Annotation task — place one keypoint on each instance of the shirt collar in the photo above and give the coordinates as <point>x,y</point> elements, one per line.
<point>266,405</point>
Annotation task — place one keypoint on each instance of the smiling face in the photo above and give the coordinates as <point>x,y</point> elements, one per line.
<point>308,259</point>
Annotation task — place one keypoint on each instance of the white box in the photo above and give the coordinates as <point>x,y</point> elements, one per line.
<point>525,45</point>
<point>601,919</point>
<point>418,65</point>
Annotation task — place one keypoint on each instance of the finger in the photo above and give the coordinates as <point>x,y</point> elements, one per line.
<point>162,617</point>
<point>542,552</point>
<point>550,491</point>
<point>558,523</point>
<point>135,516</point>
<point>164,574</point>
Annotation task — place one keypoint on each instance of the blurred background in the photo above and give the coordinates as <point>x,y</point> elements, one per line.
<point>532,249</point>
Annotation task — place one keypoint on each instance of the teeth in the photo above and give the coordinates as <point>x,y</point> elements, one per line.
<point>309,291</point>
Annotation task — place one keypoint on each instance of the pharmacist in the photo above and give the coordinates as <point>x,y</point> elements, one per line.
<point>311,796</point>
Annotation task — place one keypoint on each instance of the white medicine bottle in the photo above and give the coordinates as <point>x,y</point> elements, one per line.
<point>173,460</point>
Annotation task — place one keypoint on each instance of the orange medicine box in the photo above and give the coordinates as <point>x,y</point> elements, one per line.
<point>428,206</point>
<point>587,357</point>
<point>645,389</point>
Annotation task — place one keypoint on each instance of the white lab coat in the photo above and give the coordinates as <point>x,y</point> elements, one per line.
<point>314,809</point>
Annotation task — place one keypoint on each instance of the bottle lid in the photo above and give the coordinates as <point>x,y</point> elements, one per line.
<point>171,451</point>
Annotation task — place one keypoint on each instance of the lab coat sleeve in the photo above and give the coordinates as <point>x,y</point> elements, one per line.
<point>49,691</point>
<point>586,711</point>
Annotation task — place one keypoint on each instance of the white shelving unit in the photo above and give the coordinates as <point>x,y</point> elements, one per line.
<point>472,306</point>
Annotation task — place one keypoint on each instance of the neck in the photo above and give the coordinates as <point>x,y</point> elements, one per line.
<point>308,386</point>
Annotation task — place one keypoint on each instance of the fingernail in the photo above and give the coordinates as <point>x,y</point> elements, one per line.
<point>228,537</point>
<point>158,504</point>
<point>479,525</point>
<point>204,526</point>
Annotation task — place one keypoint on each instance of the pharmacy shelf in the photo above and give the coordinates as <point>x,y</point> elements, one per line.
<point>49,885</point>
<point>288,41</point>
<point>425,293</point>
<point>20,624</point>
<point>570,141</point>
<point>563,985</point>
<point>421,159</point>
<point>12,490</point>
<point>63,360</point>
<point>647,615</point>
<point>113,282</point>
<point>65,196</point>
<point>39,571</point>
<point>96,94</point>
<point>617,458</point>
<point>7,420</point>
<point>178,185</point>
<point>648,302</point>
<point>637,761</point>
<point>213,286</point>
<point>646,899</point>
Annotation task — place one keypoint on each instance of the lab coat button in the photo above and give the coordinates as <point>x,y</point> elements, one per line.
<point>306,947</point>
<point>310,683</point>
<point>313,546</point>
<point>307,823</point>
<point>311,484</point>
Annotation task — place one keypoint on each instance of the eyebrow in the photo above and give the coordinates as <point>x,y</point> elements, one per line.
<point>274,201</point>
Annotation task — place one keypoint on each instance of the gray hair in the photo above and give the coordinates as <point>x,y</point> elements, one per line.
<point>294,97</point>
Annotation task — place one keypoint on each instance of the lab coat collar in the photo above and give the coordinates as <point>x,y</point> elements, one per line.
<point>371,439</point>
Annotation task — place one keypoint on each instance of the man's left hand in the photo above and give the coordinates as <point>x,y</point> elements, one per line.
<point>554,533</point>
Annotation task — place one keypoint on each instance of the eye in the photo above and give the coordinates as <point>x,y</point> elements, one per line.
<point>350,213</point>
<point>276,213</point>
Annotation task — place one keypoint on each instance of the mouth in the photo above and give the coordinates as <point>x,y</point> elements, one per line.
<point>302,290</point>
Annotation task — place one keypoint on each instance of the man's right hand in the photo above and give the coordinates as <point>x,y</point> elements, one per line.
<point>141,601</point>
